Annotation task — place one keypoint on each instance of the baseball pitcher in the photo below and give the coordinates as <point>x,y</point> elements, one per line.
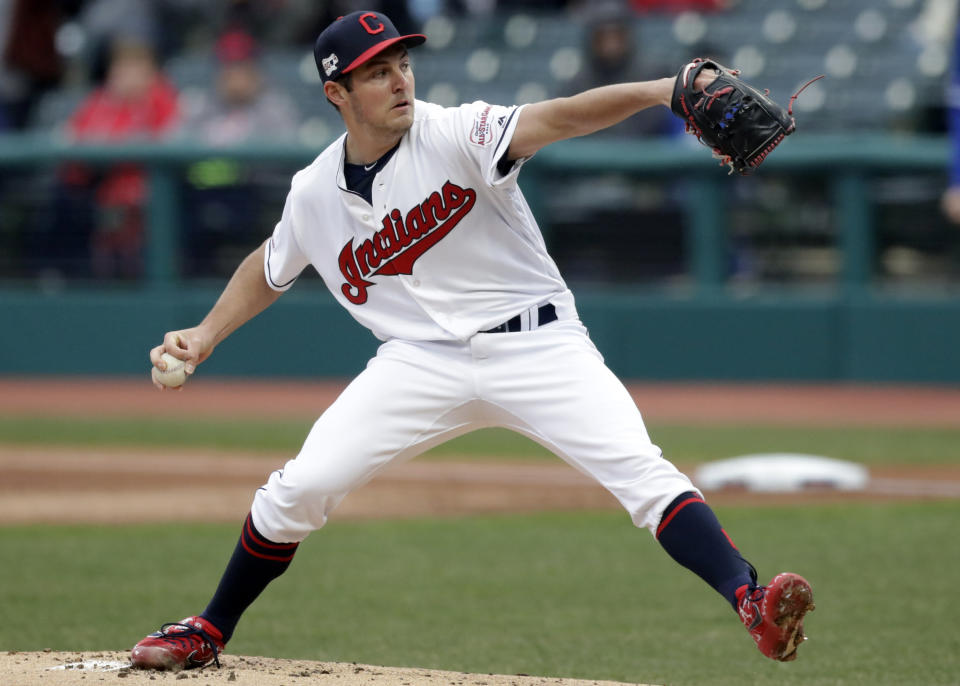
<point>415,222</point>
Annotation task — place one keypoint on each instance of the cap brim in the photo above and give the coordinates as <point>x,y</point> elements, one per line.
<point>411,41</point>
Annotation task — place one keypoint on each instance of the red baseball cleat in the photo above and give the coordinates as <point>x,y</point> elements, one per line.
<point>188,644</point>
<point>773,614</point>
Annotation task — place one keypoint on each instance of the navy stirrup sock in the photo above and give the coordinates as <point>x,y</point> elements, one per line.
<point>691,534</point>
<point>254,564</point>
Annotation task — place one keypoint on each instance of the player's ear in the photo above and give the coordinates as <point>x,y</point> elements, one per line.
<point>335,93</point>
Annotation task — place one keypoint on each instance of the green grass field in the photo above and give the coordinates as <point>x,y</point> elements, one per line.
<point>580,595</point>
<point>681,443</point>
<point>574,594</point>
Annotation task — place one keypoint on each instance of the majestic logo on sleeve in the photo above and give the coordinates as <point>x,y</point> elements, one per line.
<point>403,239</point>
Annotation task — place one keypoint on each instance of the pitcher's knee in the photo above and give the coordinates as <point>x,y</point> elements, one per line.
<point>290,506</point>
<point>284,521</point>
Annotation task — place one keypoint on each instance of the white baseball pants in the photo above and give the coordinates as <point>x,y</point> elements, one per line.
<point>549,384</point>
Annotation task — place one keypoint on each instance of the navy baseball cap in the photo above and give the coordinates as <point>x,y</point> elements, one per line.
<point>353,39</point>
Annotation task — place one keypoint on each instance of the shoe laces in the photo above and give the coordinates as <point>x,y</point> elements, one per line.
<point>753,570</point>
<point>187,630</point>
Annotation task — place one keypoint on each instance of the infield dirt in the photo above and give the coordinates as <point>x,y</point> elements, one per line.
<point>83,669</point>
<point>82,485</point>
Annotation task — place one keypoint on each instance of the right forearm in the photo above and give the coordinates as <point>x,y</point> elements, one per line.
<point>245,296</point>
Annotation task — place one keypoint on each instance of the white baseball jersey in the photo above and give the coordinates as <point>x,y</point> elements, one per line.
<point>449,246</point>
<point>448,250</point>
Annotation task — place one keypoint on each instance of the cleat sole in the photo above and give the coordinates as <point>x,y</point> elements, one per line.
<point>796,600</point>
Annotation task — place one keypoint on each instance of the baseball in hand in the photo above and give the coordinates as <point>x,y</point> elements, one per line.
<point>175,374</point>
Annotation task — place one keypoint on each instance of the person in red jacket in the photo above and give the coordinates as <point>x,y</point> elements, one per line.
<point>136,102</point>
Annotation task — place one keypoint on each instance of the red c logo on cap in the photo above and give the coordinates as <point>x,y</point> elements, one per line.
<point>372,30</point>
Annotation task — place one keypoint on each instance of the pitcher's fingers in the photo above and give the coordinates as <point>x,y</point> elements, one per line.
<point>156,360</point>
<point>153,377</point>
<point>177,344</point>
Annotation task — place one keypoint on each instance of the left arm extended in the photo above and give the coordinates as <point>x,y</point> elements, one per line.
<point>554,120</point>
<point>542,123</point>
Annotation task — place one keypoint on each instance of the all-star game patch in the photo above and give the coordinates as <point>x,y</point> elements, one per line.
<point>481,133</point>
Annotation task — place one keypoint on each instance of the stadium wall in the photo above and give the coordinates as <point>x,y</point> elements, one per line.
<point>655,338</point>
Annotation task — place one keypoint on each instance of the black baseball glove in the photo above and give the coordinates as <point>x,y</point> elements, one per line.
<point>741,124</point>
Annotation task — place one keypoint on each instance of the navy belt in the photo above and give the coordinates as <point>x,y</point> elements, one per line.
<point>545,314</point>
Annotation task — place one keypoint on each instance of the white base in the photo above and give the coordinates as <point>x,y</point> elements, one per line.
<point>781,472</point>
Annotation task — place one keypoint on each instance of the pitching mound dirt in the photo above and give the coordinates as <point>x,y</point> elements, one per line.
<point>87,669</point>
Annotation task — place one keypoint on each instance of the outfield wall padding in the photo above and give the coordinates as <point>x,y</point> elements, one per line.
<point>308,335</point>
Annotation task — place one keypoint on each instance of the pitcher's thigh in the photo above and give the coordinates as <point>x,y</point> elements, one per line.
<point>390,410</point>
<point>578,408</point>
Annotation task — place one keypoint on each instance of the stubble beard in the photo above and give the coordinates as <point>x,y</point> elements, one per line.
<point>389,127</point>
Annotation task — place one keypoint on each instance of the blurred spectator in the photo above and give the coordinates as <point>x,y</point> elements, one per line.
<point>166,25</point>
<point>222,196</point>
<point>632,222</point>
<point>613,57</point>
<point>951,198</point>
<point>135,102</point>
<point>29,63</point>
<point>273,23</point>
<point>241,105</point>
<point>106,206</point>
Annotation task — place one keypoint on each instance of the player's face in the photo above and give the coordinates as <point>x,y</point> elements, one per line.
<point>383,92</point>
